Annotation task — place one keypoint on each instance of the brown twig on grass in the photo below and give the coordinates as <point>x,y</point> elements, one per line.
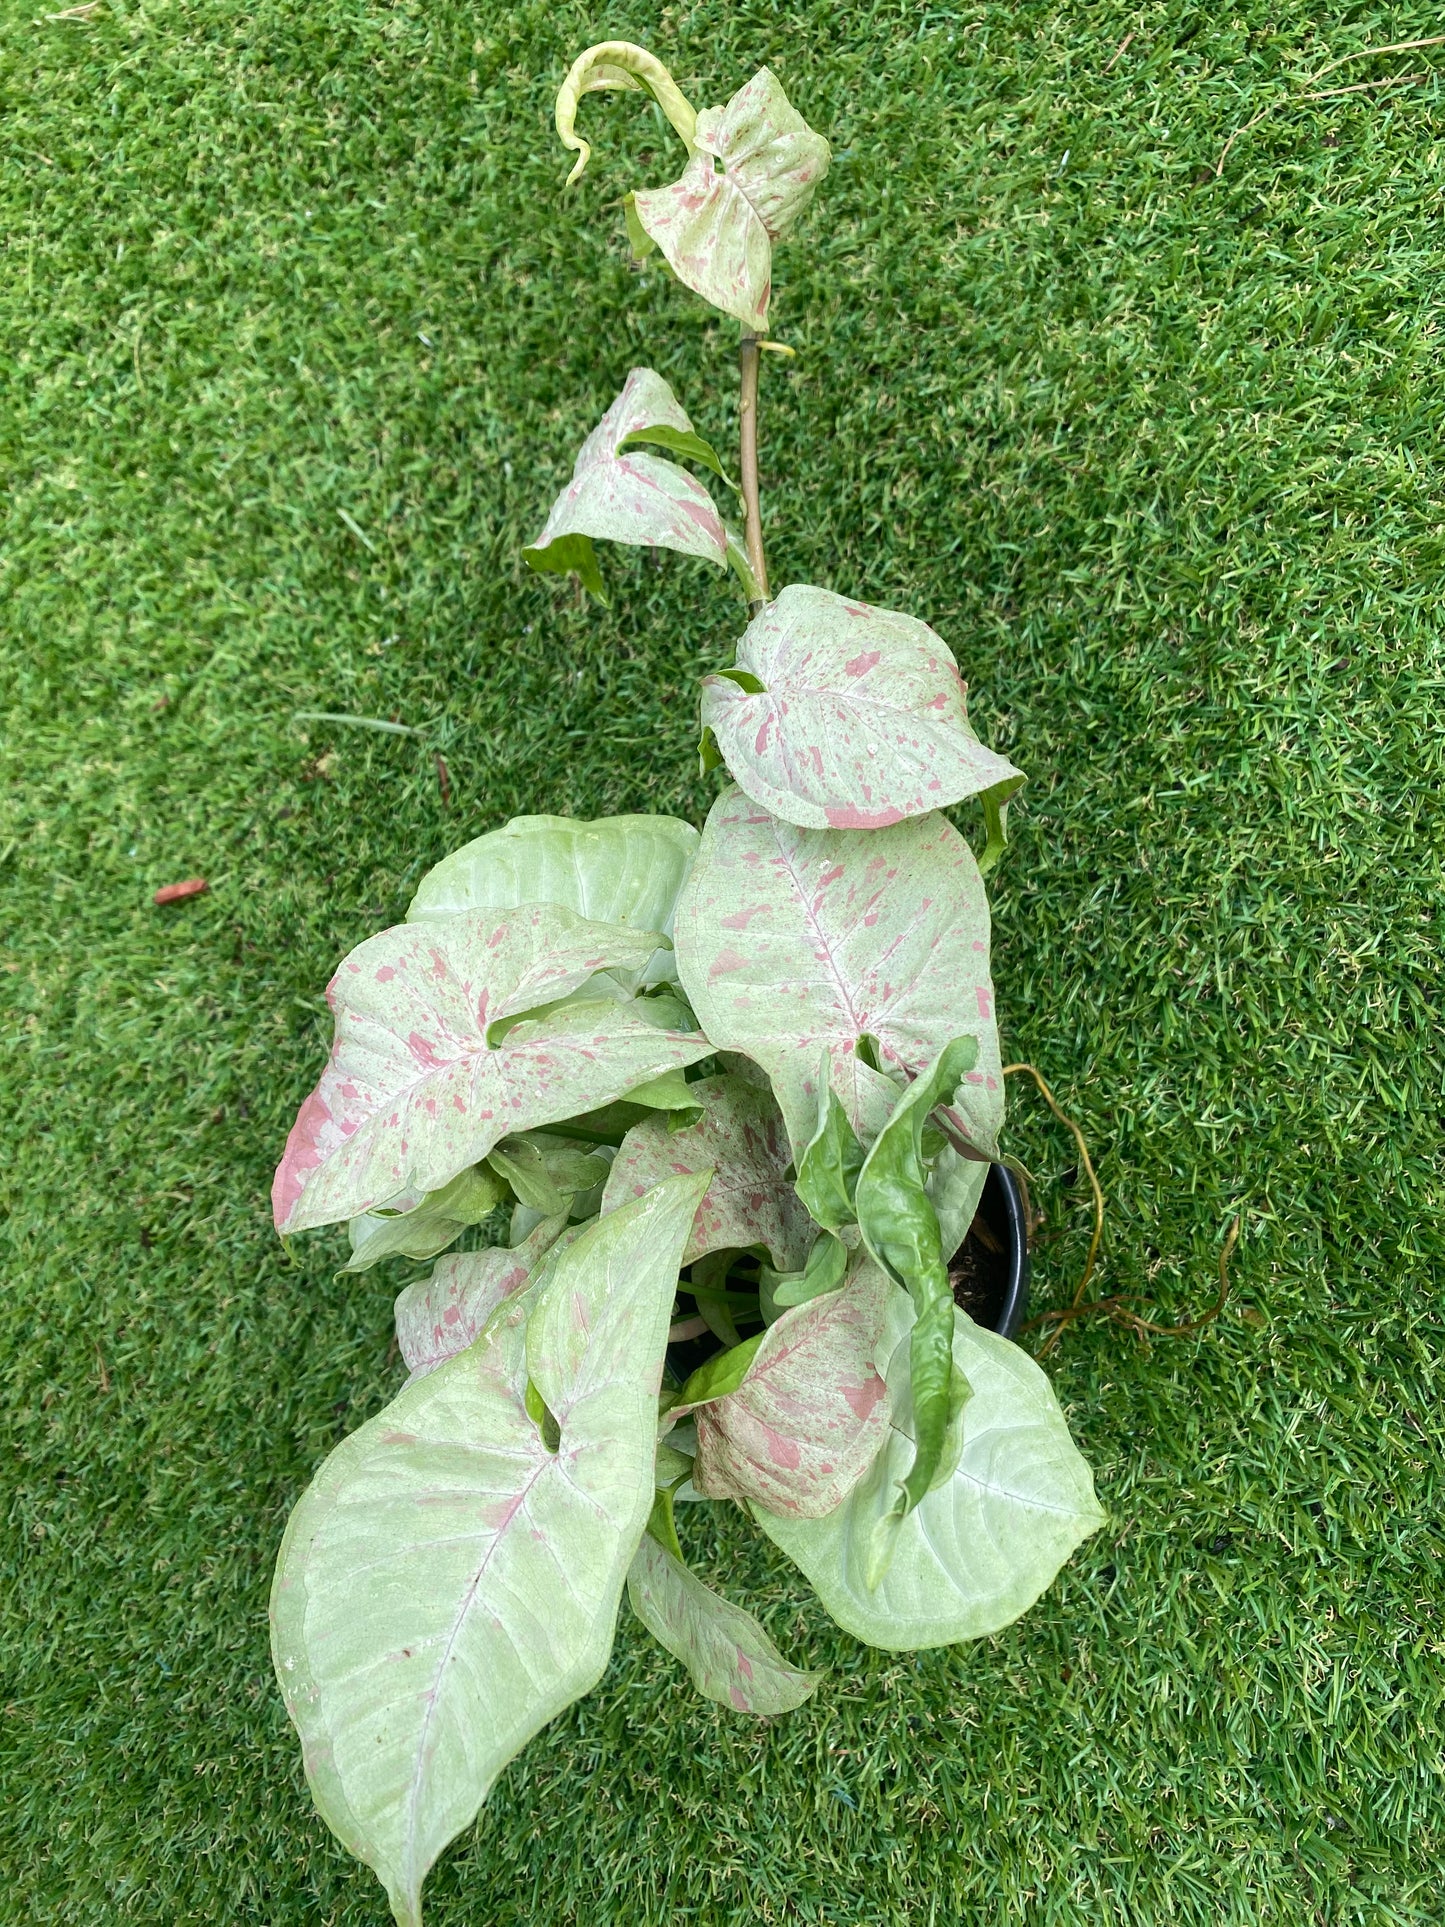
<point>1010,1070</point>
<point>1117,1308</point>
<point>1333,93</point>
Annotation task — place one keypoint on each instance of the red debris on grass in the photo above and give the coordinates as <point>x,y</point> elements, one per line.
<point>444,782</point>
<point>178,892</point>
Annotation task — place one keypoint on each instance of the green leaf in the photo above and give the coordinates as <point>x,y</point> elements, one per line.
<point>713,1305</point>
<point>740,1138</point>
<point>828,1169</point>
<point>806,1421</point>
<point>719,1375</point>
<point>824,1272</point>
<point>980,1548</point>
<point>730,1657</point>
<point>894,929</point>
<point>995,821</point>
<point>856,718</point>
<point>545,1171</point>
<point>423,1229</point>
<point>619,64</point>
<point>900,1228</point>
<point>569,555</point>
<point>684,442</point>
<point>442,1314</point>
<point>616,869</point>
<point>447,1585</point>
<point>618,493</point>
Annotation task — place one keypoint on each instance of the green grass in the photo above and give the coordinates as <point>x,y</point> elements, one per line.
<point>1158,452</point>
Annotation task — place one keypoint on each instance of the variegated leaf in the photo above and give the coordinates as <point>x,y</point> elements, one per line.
<point>450,1581</point>
<point>791,942</point>
<point>415,1092</point>
<point>622,494</point>
<point>741,1139</point>
<point>981,1546</point>
<point>862,718</point>
<point>809,1418</point>
<point>730,1657</point>
<point>616,869</point>
<point>716,225</point>
<point>441,1315</point>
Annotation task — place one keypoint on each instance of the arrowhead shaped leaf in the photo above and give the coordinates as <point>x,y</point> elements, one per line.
<point>441,1315</point>
<point>421,1226</point>
<point>741,1139</point>
<point>716,225</point>
<point>622,494</point>
<point>812,1412</point>
<point>730,1657</point>
<point>894,928</point>
<point>616,869</point>
<point>980,1548</point>
<point>414,1092</point>
<point>447,1584</point>
<point>861,719</point>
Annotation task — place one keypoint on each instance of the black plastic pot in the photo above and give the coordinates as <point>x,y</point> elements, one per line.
<point>989,1272</point>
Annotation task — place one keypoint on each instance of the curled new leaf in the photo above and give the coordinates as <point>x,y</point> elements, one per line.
<point>894,926</point>
<point>856,717</point>
<point>419,1086</point>
<point>623,65</point>
<point>620,493</point>
<point>900,1228</point>
<point>828,1169</point>
<point>730,1657</point>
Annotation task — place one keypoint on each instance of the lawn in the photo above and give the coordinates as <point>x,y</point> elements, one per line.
<point>300,336</point>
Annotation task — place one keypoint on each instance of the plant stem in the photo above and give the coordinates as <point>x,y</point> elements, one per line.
<point>748,359</point>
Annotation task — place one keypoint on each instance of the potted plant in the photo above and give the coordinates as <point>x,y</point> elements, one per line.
<point>742,1083</point>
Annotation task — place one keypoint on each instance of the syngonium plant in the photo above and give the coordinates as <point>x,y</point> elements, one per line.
<point>747,1081</point>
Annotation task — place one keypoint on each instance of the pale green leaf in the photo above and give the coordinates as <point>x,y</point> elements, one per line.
<point>616,869</point>
<point>979,1549</point>
<point>740,1138</point>
<point>855,718</point>
<point>730,1657</point>
<point>894,928</point>
<point>422,1226</point>
<point>619,493</point>
<point>447,1584</point>
<point>623,65</point>
<point>720,1374</point>
<point>824,1272</point>
<point>414,1092</point>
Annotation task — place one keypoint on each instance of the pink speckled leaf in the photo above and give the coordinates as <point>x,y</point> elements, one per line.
<point>716,225</point>
<point>791,942</point>
<point>861,720</point>
<point>415,1091</point>
<point>730,1657</point>
<point>741,1139</point>
<point>626,495</point>
<point>441,1315</point>
<point>809,1418</point>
